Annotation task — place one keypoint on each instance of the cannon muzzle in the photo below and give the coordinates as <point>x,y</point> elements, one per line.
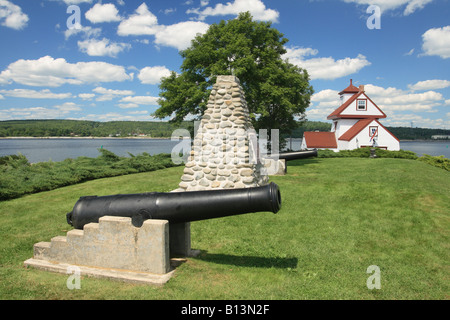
<point>296,155</point>
<point>176,207</point>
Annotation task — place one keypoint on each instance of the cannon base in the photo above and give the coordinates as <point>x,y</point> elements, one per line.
<point>180,241</point>
<point>112,248</point>
<point>106,273</point>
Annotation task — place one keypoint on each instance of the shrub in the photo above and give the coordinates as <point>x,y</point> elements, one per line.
<point>365,153</point>
<point>439,161</point>
<point>18,177</point>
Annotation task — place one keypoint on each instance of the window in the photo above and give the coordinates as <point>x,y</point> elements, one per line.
<point>373,131</point>
<point>361,104</point>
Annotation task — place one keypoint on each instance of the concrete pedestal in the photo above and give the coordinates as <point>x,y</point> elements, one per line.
<point>112,248</point>
<point>180,241</point>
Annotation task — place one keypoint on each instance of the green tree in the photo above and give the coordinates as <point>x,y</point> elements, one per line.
<point>276,91</point>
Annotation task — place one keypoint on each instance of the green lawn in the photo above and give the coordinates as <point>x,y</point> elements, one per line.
<point>339,216</point>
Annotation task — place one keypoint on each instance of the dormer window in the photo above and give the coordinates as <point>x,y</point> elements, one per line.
<point>361,104</point>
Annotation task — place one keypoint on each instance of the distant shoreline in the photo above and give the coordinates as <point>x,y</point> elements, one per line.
<point>142,138</point>
<point>166,138</point>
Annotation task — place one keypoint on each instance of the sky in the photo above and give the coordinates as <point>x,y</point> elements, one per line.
<point>103,60</point>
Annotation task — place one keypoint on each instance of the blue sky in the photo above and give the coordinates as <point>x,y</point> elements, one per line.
<point>108,68</point>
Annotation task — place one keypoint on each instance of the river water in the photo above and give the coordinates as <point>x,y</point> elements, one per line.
<point>58,149</point>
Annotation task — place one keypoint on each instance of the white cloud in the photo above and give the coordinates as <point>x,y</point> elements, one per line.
<point>114,116</point>
<point>395,99</point>
<point>436,42</point>
<point>153,75</point>
<point>103,13</point>
<point>322,104</point>
<point>170,10</point>
<point>50,72</point>
<point>410,52</point>
<point>147,100</point>
<point>100,48</point>
<point>58,111</point>
<point>128,105</point>
<point>86,96</point>
<point>178,35</point>
<point>256,7</point>
<point>429,85</point>
<point>74,1</point>
<point>87,31</point>
<point>11,15</point>
<point>385,5</point>
<point>109,94</point>
<point>405,120</point>
<point>390,100</point>
<point>32,94</point>
<point>138,112</point>
<point>413,5</point>
<point>142,22</point>
<point>325,68</point>
<point>326,97</point>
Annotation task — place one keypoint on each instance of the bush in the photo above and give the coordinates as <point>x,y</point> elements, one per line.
<point>365,153</point>
<point>439,161</point>
<point>18,177</point>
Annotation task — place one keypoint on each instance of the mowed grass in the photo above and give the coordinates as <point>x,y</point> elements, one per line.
<point>339,216</point>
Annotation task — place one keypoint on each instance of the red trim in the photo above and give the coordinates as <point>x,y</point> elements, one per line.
<point>384,115</point>
<point>387,130</point>
<point>360,125</point>
<point>350,89</point>
<point>337,114</point>
<point>355,129</point>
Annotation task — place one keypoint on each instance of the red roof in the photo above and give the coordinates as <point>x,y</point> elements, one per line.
<point>320,139</point>
<point>350,89</point>
<point>360,125</point>
<point>355,129</point>
<point>337,113</point>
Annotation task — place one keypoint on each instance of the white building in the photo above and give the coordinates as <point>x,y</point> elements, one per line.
<point>355,125</point>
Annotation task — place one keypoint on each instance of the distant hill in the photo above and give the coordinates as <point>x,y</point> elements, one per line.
<point>159,129</point>
<point>83,128</point>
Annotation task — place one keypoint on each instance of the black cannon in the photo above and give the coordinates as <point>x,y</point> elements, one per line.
<point>287,156</point>
<point>176,207</point>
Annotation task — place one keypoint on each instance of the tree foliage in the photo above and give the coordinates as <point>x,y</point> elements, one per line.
<point>276,91</point>
<point>84,128</point>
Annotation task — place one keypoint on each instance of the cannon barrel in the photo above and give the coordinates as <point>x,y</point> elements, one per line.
<point>296,155</point>
<point>176,207</point>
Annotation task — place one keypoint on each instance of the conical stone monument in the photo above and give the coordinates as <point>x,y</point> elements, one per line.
<point>224,153</point>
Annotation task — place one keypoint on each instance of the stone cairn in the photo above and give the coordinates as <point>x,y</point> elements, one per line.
<point>224,153</point>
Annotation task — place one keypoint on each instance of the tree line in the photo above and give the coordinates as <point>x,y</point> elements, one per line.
<point>84,128</point>
<point>160,129</point>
